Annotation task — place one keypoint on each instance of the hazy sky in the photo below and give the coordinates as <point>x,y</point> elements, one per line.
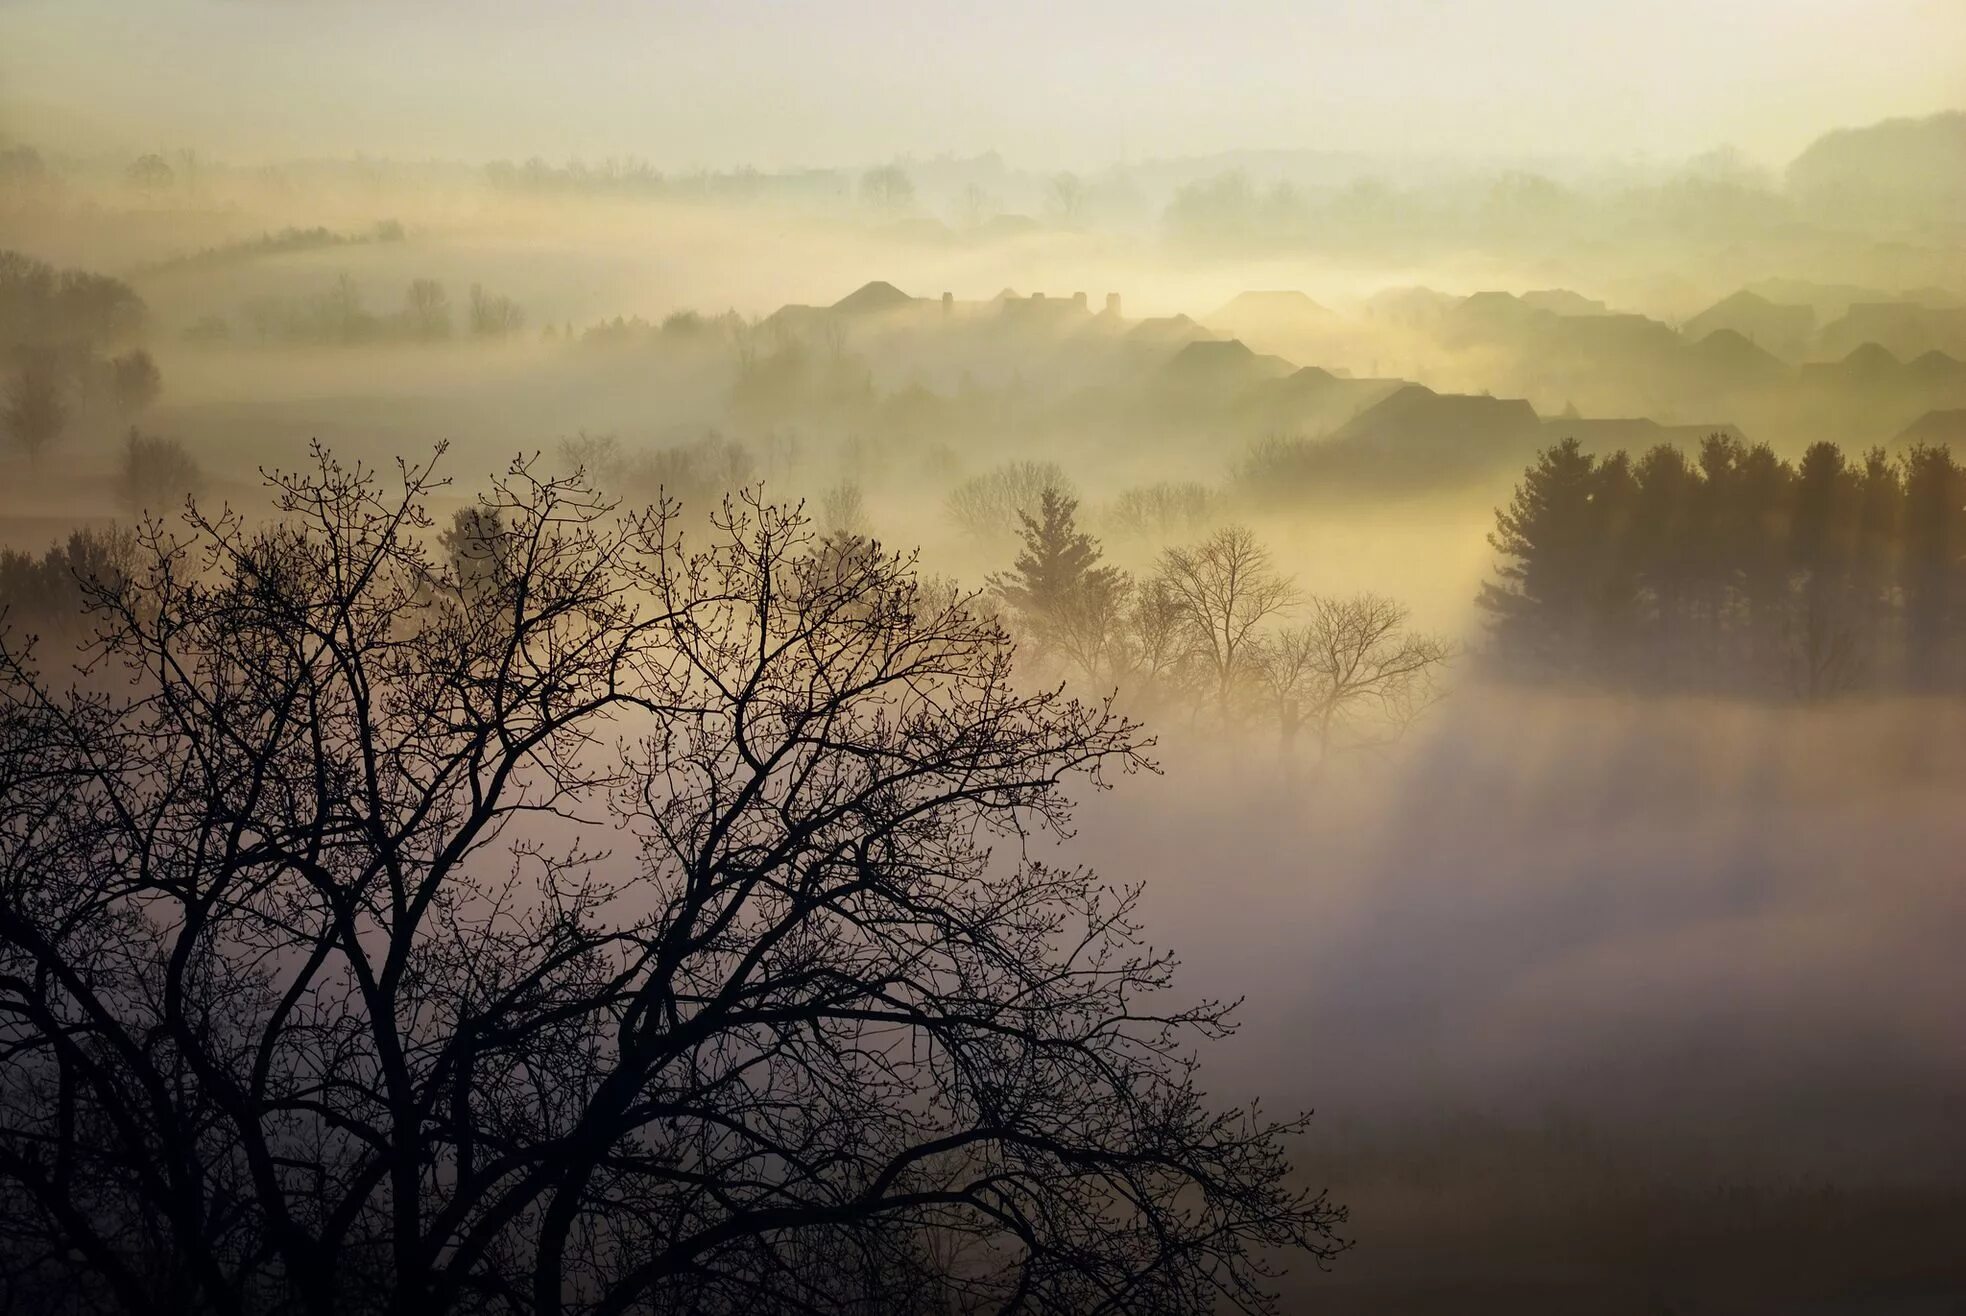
<point>1047,82</point>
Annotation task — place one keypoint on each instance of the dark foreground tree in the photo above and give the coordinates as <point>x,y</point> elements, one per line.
<point>318,994</point>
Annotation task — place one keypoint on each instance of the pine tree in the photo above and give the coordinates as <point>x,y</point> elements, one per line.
<point>1934,538</point>
<point>1060,595</point>
<point>1549,536</point>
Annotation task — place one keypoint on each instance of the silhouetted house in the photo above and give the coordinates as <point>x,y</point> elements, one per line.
<point>1562,301</point>
<point>1784,330</point>
<point>1171,329</point>
<point>1310,402</point>
<point>1943,428</point>
<point>1417,437</point>
<point>874,298</point>
<point>1220,367</point>
<point>1867,366</point>
<point>1038,308</point>
<point>1906,328</point>
<point>1726,361</point>
<point>1938,371</point>
<point>1494,317</point>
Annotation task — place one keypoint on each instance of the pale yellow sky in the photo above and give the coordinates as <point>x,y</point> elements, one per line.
<point>1047,83</point>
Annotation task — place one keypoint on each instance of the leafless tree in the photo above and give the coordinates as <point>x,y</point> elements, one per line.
<point>1352,671</point>
<point>888,187</point>
<point>843,511</point>
<point>992,506</point>
<point>317,993</point>
<point>1224,589</point>
<point>494,315</point>
<point>427,310</point>
<point>1066,193</point>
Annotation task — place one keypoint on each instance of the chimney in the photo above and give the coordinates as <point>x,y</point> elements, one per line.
<point>1113,304</point>
<point>948,302</point>
<point>1078,300</point>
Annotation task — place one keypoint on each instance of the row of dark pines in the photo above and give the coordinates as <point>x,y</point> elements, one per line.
<point>1732,570</point>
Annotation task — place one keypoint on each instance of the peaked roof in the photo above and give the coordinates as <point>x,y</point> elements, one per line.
<point>879,295</point>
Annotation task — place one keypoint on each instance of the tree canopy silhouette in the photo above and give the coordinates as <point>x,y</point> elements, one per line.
<point>1736,571</point>
<point>318,992</point>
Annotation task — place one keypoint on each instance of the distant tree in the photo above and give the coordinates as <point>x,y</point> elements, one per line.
<point>1059,593</point>
<point>155,473</point>
<point>1738,572</point>
<point>22,169</point>
<point>49,597</point>
<point>134,381</point>
<point>339,315</point>
<point>1828,640</point>
<point>596,458</point>
<point>1160,512</point>
<point>1880,517</point>
<point>1066,193</point>
<point>843,511</point>
<point>1934,543</point>
<point>427,310</point>
<point>1157,642</point>
<point>35,413</point>
<point>975,206</point>
<point>683,324</point>
<point>1224,590</point>
<point>150,173</point>
<point>208,330</point>
<point>43,307</point>
<point>478,550</point>
<point>993,505</point>
<point>887,187</point>
<point>318,999</point>
<point>494,316</point>
<point>1353,672</point>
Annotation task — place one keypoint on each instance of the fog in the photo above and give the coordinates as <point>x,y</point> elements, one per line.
<point>1627,1005</point>
<point>1605,372</point>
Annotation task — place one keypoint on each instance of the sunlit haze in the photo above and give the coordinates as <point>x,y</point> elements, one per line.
<point>1141,659</point>
<point>1051,85</point>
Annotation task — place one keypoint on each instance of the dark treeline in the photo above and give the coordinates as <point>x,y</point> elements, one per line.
<point>57,330</point>
<point>1735,570</point>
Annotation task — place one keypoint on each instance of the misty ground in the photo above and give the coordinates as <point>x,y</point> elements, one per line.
<point>1603,1005</point>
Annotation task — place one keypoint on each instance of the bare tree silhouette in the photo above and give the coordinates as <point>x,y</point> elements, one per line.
<point>318,995</point>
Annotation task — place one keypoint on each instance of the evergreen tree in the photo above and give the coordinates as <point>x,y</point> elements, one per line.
<point>1667,559</point>
<point>1060,595</point>
<point>1828,638</point>
<point>1549,536</point>
<point>1933,539</point>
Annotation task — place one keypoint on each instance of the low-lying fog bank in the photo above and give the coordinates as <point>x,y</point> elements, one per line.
<point>1644,1003</point>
